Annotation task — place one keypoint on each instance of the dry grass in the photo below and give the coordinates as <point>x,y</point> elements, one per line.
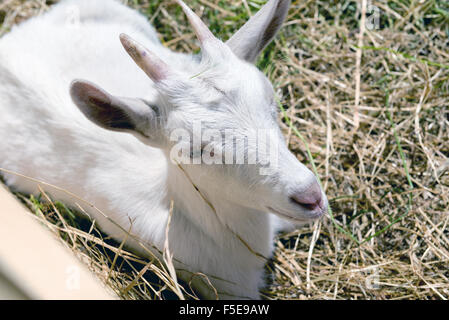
<point>372,109</point>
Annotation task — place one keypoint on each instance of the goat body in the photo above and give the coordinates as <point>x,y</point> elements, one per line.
<point>131,184</point>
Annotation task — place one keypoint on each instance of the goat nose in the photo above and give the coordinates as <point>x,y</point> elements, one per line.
<point>310,198</point>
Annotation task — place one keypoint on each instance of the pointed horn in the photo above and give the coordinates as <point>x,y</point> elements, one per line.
<point>154,67</point>
<point>201,30</point>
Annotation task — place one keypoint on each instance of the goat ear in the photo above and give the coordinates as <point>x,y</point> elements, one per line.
<point>109,112</point>
<point>257,33</point>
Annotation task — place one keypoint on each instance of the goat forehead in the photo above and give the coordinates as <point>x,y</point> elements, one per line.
<point>247,91</point>
<point>235,75</point>
<point>226,96</point>
<point>255,100</point>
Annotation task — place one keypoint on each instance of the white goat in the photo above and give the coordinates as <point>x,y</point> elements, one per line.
<point>222,222</point>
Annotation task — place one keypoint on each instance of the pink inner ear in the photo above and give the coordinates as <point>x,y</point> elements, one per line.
<point>89,93</point>
<point>100,107</point>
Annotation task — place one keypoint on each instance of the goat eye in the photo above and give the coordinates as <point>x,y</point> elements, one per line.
<point>206,148</point>
<point>153,107</point>
<point>195,153</point>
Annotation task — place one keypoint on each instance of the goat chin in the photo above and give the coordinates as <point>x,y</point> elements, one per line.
<point>217,228</point>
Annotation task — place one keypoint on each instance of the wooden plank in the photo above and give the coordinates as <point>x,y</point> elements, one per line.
<point>33,264</point>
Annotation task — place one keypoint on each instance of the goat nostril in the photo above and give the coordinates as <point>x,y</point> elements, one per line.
<point>308,206</point>
<point>310,199</point>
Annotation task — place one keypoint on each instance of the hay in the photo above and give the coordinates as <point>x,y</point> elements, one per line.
<point>373,109</point>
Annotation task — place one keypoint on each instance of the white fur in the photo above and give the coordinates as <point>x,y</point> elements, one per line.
<point>46,137</point>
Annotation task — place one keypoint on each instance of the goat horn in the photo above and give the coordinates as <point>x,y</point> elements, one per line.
<point>154,67</point>
<point>201,30</point>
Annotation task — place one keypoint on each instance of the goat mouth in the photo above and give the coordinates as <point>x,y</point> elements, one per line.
<point>289,217</point>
